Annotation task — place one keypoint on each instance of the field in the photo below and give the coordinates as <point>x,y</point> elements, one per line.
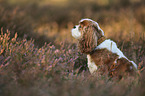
<point>39,57</point>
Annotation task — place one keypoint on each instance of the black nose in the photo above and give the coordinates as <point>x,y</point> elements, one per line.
<point>74,27</point>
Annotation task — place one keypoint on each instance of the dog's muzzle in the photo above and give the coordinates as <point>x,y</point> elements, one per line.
<point>75,32</point>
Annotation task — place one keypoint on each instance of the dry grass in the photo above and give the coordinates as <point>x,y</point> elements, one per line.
<point>31,67</point>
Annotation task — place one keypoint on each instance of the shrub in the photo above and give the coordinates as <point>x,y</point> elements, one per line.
<point>27,70</point>
<point>23,64</point>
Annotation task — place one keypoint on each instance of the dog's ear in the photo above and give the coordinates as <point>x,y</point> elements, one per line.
<point>84,23</point>
<point>99,31</point>
<point>87,22</point>
<point>88,41</point>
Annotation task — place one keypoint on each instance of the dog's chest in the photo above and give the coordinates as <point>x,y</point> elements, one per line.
<point>91,65</point>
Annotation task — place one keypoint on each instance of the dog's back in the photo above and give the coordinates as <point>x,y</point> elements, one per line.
<point>112,63</point>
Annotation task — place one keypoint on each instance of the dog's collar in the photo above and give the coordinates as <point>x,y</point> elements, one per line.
<point>100,40</point>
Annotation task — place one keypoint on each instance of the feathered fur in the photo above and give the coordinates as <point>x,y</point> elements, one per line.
<point>103,54</point>
<point>88,41</point>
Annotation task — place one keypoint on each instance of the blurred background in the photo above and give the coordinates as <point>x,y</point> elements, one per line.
<point>52,20</point>
<point>36,68</point>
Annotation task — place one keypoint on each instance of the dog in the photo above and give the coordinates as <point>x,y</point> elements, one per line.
<point>103,55</point>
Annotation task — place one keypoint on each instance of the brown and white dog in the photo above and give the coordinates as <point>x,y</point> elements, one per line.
<point>102,53</point>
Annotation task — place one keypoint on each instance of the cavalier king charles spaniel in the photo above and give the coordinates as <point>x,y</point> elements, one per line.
<point>103,55</point>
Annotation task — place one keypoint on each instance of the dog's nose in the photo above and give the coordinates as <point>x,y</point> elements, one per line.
<point>74,27</point>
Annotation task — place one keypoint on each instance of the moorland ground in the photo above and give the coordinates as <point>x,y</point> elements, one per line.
<point>39,57</point>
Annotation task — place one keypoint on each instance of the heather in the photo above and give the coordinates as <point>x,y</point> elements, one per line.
<point>39,57</point>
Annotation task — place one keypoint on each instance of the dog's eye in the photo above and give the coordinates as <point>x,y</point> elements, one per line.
<point>80,27</point>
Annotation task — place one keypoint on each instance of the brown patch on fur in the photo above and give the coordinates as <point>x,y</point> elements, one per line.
<point>88,41</point>
<point>90,35</point>
<point>103,57</point>
<point>105,60</point>
<point>122,68</point>
<point>86,23</point>
<point>101,40</point>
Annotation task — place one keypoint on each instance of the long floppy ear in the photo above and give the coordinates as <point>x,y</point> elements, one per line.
<point>99,31</point>
<point>88,41</point>
<point>87,21</point>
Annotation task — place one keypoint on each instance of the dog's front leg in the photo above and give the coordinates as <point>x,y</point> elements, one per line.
<point>91,65</point>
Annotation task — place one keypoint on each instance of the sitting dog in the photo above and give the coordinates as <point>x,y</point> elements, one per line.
<point>102,53</point>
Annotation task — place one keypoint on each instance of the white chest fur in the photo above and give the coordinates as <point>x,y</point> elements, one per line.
<point>91,65</point>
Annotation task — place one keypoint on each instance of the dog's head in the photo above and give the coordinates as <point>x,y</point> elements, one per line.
<point>87,33</point>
